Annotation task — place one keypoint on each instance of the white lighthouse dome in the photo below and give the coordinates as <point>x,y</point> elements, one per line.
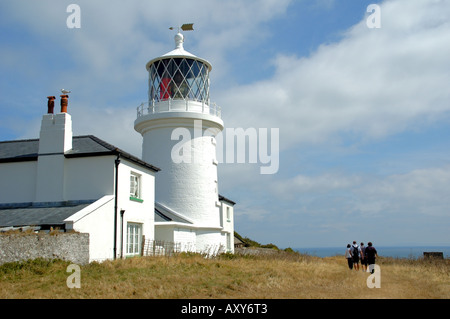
<point>179,52</point>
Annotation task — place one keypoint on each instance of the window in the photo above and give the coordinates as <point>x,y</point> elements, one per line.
<point>135,187</point>
<point>228,241</point>
<point>134,239</point>
<point>228,214</point>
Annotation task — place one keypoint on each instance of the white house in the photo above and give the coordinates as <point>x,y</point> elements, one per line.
<point>84,184</point>
<point>77,183</point>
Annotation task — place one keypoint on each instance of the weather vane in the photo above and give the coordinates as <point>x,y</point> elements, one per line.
<point>185,27</point>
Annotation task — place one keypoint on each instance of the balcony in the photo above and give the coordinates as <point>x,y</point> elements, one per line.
<point>178,105</point>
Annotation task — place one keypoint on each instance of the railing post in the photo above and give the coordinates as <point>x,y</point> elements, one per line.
<point>142,245</point>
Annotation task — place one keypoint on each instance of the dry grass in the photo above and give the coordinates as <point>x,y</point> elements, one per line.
<point>291,276</point>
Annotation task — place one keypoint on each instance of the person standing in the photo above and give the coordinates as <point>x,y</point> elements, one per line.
<point>362,253</point>
<point>349,257</point>
<point>355,254</point>
<point>371,254</point>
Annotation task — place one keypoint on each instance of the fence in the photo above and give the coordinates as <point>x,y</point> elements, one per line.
<point>152,247</point>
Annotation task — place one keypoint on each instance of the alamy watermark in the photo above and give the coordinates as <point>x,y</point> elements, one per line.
<point>74,19</point>
<point>373,21</point>
<point>374,280</point>
<point>73,280</point>
<point>242,146</point>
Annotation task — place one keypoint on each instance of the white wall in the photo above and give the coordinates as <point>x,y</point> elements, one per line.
<point>98,220</point>
<point>137,211</point>
<point>18,182</point>
<point>228,224</point>
<point>165,233</point>
<point>187,188</point>
<point>88,177</point>
<point>50,178</point>
<point>209,240</point>
<point>83,179</point>
<point>187,238</point>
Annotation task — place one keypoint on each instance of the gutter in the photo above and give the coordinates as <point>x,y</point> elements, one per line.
<point>116,162</point>
<point>122,211</point>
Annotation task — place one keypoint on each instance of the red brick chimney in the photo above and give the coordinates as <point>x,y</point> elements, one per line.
<point>50,104</point>
<point>64,103</point>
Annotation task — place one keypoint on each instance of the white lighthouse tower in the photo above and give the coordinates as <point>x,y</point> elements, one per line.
<point>178,125</point>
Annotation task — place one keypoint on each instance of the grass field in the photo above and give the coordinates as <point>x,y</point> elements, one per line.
<point>288,276</point>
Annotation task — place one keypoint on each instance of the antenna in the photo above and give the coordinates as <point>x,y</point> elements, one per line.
<point>185,27</point>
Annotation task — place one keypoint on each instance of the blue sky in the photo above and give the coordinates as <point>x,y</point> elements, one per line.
<point>363,114</point>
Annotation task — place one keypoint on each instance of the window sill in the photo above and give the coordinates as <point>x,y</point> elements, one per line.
<point>135,199</point>
<point>132,255</point>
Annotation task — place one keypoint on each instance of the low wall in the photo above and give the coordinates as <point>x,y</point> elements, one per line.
<point>433,254</point>
<point>73,247</point>
<point>257,251</point>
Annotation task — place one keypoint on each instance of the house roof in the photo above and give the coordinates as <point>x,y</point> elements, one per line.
<point>223,198</point>
<point>39,214</point>
<point>237,241</point>
<point>82,146</point>
<point>165,214</point>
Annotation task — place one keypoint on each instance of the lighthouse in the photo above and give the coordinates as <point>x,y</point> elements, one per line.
<point>178,125</point>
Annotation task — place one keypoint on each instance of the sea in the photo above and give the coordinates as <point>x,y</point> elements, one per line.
<point>409,252</point>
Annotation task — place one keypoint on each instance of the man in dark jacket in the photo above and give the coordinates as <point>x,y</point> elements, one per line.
<point>371,254</point>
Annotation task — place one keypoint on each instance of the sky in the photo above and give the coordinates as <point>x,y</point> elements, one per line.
<point>363,112</point>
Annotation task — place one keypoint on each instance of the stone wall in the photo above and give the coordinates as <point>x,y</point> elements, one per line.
<point>434,254</point>
<point>73,247</point>
<point>258,251</point>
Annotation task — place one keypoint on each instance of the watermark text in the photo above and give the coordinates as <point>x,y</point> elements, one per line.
<point>74,19</point>
<point>73,280</point>
<point>236,145</point>
<point>374,280</point>
<point>373,21</point>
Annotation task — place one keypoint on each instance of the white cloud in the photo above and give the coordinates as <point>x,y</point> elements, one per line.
<point>374,82</point>
<point>419,192</point>
<point>323,184</point>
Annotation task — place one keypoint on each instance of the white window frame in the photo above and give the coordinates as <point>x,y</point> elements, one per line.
<point>135,185</point>
<point>134,239</point>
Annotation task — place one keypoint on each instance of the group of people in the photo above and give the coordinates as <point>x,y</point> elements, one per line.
<point>356,254</point>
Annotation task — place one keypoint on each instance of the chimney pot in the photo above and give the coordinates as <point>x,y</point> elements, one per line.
<point>64,103</point>
<point>50,104</point>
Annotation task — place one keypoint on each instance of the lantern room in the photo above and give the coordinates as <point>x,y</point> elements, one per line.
<point>178,75</point>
